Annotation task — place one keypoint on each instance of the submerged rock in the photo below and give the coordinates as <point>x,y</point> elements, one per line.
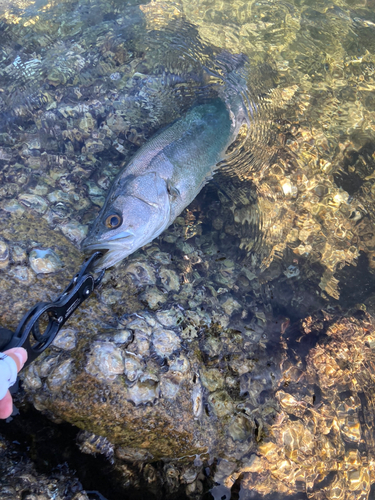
<point>21,480</point>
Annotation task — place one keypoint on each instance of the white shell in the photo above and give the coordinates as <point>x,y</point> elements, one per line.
<point>197,399</point>
<point>60,375</point>
<point>66,339</point>
<point>44,261</point>
<point>31,379</point>
<point>165,342</point>
<point>142,392</point>
<point>105,361</point>
<point>133,366</point>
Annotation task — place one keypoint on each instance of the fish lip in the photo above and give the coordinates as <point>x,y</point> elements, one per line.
<point>104,246</point>
<point>112,255</point>
<point>113,252</point>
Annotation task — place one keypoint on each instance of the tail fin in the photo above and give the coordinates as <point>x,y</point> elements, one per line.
<point>233,71</point>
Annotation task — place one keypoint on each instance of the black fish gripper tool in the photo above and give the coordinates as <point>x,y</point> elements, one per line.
<point>28,333</point>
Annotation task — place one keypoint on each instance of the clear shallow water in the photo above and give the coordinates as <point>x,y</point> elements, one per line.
<point>287,229</point>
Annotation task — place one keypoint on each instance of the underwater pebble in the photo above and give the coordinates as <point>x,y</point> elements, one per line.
<point>165,342</point>
<point>194,489</point>
<point>141,344</point>
<point>149,318</point>
<point>170,237</point>
<point>221,319</point>
<point>9,190</point>
<point>39,403</point>
<point>94,189</point>
<point>110,296</point>
<point>62,197</point>
<point>218,223</point>
<point>93,146</point>
<point>39,189</point>
<point>185,247</point>
<point>230,305</point>
<point>142,392</point>
<point>139,324</point>
<point>161,257</point>
<point>60,375</point>
<point>189,475</point>
<point>105,361</point>
<point>66,339</point>
<point>4,254</point>
<point>44,261</point>
<point>98,200</point>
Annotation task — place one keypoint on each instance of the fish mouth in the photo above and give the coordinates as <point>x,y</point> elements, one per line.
<point>113,252</point>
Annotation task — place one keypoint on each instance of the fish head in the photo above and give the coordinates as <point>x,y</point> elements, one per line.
<point>136,211</point>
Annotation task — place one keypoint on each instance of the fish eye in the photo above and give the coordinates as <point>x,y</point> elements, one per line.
<point>113,221</point>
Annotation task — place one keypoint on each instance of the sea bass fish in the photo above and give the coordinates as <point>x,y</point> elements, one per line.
<point>163,178</point>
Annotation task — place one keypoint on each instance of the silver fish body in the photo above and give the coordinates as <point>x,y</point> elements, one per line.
<point>163,177</point>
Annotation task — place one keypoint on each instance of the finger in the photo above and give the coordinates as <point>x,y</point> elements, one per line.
<point>6,406</point>
<point>19,355</point>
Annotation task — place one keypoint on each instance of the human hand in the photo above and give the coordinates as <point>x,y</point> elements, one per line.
<point>19,355</point>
